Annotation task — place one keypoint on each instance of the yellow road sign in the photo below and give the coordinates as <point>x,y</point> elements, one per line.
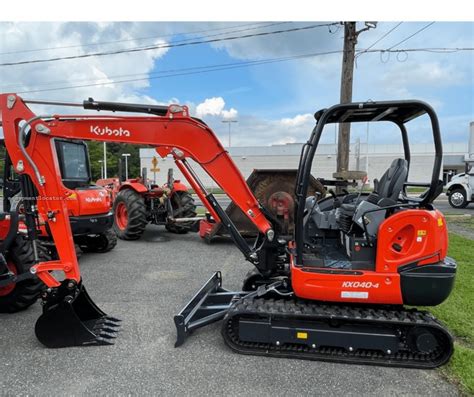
<point>155,169</point>
<point>154,162</point>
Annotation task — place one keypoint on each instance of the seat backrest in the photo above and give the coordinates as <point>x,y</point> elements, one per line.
<point>391,183</point>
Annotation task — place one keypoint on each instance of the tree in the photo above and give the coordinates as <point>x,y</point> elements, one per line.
<point>114,155</point>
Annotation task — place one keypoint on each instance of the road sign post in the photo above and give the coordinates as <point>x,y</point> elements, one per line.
<point>154,168</point>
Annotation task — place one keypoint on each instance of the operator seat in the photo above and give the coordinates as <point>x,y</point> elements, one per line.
<point>387,190</point>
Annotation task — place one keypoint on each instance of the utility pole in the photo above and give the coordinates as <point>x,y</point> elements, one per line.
<point>350,40</point>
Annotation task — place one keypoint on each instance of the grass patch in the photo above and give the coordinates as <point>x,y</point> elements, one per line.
<point>456,312</point>
<point>466,222</point>
<point>460,369</point>
<point>201,211</point>
<point>458,309</point>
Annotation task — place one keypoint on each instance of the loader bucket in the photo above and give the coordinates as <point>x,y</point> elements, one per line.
<point>275,190</point>
<point>71,318</point>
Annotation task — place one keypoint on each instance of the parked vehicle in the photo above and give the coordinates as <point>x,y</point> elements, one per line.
<point>460,190</point>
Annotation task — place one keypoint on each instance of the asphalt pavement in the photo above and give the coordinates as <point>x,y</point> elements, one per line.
<point>145,283</point>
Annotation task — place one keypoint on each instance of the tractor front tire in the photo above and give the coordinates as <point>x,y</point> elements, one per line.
<point>130,217</point>
<point>100,243</point>
<point>20,257</point>
<point>183,207</point>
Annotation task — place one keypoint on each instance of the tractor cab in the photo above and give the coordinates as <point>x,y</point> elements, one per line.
<point>89,205</point>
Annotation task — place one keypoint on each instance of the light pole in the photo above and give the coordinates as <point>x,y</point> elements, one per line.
<point>126,155</point>
<point>105,161</point>
<point>229,122</point>
<point>101,162</point>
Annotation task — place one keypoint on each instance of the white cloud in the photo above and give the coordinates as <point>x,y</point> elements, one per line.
<point>297,121</point>
<point>210,106</point>
<point>215,107</point>
<point>229,114</point>
<point>78,72</point>
<point>285,140</point>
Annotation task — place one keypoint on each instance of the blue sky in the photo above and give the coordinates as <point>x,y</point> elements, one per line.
<point>273,103</point>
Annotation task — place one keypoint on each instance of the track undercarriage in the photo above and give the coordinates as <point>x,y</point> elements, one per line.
<point>265,322</point>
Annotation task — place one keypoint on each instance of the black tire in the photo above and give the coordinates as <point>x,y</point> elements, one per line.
<point>100,243</point>
<point>183,207</point>
<point>458,199</point>
<point>136,215</point>
<point>26,292</point>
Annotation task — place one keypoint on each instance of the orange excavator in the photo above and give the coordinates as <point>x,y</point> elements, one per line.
<point>332,291</point>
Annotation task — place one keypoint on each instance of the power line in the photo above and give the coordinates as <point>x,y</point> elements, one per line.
<point>170,45</point>
<point>236,65</point>
<point>381,38</point>
<point>189,71</point>
<point>141,38</point>
<point>413,34</point>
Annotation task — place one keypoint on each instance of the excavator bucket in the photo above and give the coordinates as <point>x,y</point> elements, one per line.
<point>71,318</point>
<point>275,190</point>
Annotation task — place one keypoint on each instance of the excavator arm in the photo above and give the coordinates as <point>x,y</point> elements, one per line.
<point>30,142</point>
<point>70,317</point>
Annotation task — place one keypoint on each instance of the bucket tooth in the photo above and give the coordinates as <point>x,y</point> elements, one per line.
<point>71,318</point>
<point>113,319</point>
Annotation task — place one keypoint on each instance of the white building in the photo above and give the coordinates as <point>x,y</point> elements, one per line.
<point>375,159</point>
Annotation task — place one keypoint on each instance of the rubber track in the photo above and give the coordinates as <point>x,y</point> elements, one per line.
<point>399,319</point>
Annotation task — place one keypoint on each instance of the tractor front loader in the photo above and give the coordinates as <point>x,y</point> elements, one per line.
<point>335,290</point>
<point>138,201</point>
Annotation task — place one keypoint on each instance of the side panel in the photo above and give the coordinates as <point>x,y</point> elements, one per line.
<point>411,236</point>
<point>93,201</point>
<point>346,286</point>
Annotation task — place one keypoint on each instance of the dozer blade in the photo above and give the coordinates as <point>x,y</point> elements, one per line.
<point>275,190</point>
<point>71,318</point>
<point>208,305</point>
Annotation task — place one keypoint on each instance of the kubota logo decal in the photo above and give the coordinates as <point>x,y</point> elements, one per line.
<point>93,199</point>
<point>109,131</point>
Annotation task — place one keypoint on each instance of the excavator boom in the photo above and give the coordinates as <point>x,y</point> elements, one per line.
<point>29,139</point>
<point>173,133</point>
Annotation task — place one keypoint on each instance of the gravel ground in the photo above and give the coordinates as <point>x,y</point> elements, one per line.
<point>145,283</point>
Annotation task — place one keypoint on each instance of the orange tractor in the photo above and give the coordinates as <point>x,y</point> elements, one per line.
<point>334,290</point>
<point>138,201</point>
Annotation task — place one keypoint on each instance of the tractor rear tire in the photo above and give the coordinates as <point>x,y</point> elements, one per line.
<point>130,217</point>
<point>100,243</point>
<point>183,207</point>
<point>20,258</point>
